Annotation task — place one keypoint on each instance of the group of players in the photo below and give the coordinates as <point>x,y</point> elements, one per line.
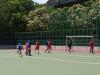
<point>28,47</point>
<point>69,45</point>
<point>48,47</point>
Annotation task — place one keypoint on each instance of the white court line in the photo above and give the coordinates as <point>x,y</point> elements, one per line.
<point>78,55</point>
<point>57,60</point>
<point>64,54</point>
<point>65,60</point>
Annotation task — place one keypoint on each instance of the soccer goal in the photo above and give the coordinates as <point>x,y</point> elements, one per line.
<point>79,43</point>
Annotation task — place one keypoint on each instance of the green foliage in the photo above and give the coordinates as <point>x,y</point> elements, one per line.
<point>25,15</point>
<point>18,22</point>
<point>73,17</point>
<point>77,16</point>
<point>4,12</point>
<point>38,19</point>
<point>58,19</point>
<point>21,6</point>
<point>13,14</point>
<point>18,13</point>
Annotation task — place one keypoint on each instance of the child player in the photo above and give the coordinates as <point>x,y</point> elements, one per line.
<point>37,46</point>
<point>49,48</point>
<point>20,47</point>
<point>28,48</point>
<point>91,44</point>
<point>69,44</point>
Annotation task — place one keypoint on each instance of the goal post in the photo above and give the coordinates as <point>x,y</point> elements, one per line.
<point>79,41</point>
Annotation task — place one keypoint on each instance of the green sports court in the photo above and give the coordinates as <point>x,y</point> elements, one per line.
<point>63,26</point>
<point>55,63</point>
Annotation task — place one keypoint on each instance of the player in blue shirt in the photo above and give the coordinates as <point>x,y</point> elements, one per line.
<point>19,47</point>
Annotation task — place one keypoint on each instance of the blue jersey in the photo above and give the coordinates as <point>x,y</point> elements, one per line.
<point>19,46</point>
<point>28,44</point>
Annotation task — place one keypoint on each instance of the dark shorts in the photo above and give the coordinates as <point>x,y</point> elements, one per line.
<point>70,46</point>
<point>19,49</point>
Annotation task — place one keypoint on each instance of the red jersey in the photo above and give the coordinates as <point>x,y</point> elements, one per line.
<point>49,43</point>
<point>37,45</point>
<point>91,44</point>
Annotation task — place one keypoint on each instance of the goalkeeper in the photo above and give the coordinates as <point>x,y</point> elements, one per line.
<point>69,44</point>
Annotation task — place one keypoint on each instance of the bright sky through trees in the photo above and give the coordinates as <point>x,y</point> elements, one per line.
<point>40,1</point>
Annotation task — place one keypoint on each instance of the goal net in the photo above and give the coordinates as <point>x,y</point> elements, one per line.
<point>79,43</point>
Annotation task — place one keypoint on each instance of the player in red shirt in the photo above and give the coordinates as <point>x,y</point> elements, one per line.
<point>91,44</point>
<point>37,46</point>
<point>49,48</point>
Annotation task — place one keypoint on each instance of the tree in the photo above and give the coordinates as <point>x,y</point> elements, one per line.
<point>18,22</point>
<point>38,19</point>
<point>75,17</point>
<point>4,12</point>
<point>19,10</point>
<point>68,18</point>
<point>58,19</point>
<point>13,14</point>
<point>78,16</point>
<point>24,6</point>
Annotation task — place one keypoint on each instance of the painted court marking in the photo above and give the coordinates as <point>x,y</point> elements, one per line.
<point>56,60</point>
<point>65,60</point>
<point>79,55</point>
<point>59,60</point>
<point>69,54</point>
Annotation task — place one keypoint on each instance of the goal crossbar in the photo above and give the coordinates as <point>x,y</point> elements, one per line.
<point>79,36</point>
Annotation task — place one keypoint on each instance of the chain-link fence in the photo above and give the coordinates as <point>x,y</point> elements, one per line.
<point>58,37</point>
